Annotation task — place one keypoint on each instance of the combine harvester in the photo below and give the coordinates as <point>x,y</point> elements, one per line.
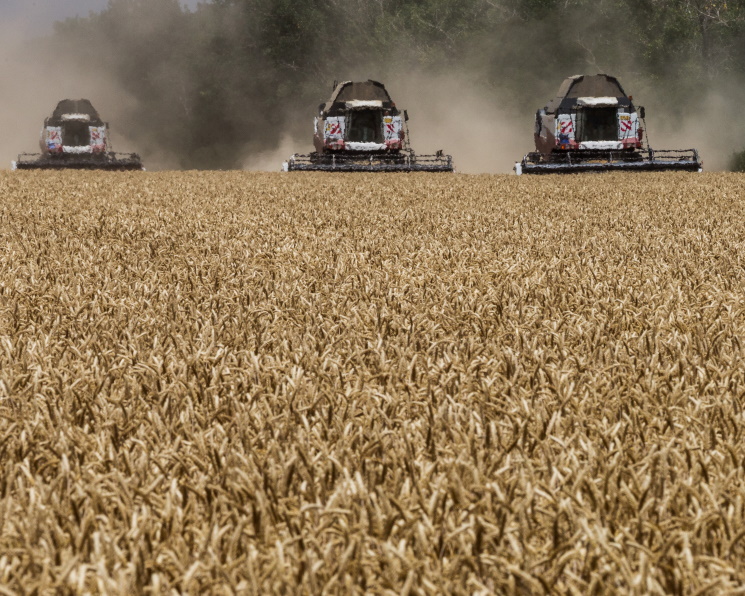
<point>76,138</point>
<point>593,126</point>
<point>360,129</point>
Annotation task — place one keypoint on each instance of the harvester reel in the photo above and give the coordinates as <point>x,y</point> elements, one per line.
<point>107,161</point>
<point>570,162</point>
<point>400,162</point>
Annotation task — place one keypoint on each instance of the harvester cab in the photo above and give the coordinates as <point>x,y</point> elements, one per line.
<point>593,125</point>
<point>359,117</point>
<point>361,129</point>
<point>75,137</point>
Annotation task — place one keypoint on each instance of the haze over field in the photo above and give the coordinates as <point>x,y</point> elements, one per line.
<point>236,84</point>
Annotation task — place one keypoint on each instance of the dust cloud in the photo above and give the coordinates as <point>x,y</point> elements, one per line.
<point>486,133</point>
<point>37,71</point>
<point>272,160</point>
<point>712,125</point>
<point>484,128</point>
<point>33,78</point>
<point>24,100</point>
<point>455,114</point>
<point>445,112</point>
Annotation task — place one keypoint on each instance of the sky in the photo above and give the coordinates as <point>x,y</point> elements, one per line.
<point>38,16</point>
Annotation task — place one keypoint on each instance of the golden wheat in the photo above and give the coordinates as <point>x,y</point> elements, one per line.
<point>385,384</point>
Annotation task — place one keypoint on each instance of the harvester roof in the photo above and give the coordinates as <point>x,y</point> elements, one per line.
<point>581,86</point>
<point>75,109</point>
<point>363,91</point>
<point>362,94</point>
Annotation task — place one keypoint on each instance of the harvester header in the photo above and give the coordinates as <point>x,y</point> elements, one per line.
<point>593,125</point>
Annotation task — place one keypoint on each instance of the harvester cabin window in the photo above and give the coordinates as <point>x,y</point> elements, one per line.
<point>76,134</point>
<point>597,124</point>
<point>366,126</point>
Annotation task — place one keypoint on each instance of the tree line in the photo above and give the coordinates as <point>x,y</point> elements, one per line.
<point>218,81</point>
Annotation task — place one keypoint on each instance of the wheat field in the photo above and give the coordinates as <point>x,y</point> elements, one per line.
<point>387,384</point>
